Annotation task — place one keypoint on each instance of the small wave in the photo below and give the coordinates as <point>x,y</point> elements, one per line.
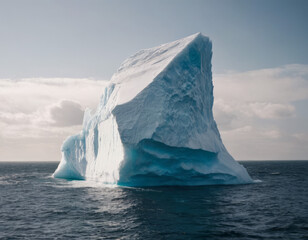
<point>90,183</point>
<point>257,181</point>
<point>4,182</point>
<point>83,184</point>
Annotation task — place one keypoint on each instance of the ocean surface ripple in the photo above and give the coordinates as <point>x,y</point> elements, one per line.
<point>33,205</point>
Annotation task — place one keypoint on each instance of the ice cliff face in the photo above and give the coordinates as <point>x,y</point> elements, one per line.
<point>154,124</point>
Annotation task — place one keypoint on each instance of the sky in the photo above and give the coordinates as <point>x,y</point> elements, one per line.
<point>57,56</point>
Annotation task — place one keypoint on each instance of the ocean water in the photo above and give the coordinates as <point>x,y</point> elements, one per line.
<point>33,205</point>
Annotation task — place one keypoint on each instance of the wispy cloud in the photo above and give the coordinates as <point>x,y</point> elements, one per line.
<point>255,111</point>
<point>40,113</point>
<point>277,85</point>
<point>272,110</point>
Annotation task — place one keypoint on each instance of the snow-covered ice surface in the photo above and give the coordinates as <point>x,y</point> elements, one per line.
<point>154,124</point>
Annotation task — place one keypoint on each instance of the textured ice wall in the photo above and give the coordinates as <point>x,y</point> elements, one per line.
<point>154,124</point>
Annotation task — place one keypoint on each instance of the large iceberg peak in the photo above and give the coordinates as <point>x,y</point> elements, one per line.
<point>140,69</point>
<point>154,124</point>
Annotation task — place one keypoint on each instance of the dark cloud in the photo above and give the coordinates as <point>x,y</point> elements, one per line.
<point>66,113</point>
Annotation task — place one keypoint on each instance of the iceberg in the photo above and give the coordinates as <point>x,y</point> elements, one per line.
<point>154,124</point>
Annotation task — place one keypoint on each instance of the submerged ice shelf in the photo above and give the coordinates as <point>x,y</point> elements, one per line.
<point>154,124</point>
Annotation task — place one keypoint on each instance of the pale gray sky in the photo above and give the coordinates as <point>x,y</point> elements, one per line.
<point>51,52</point>
<point>90,38</point>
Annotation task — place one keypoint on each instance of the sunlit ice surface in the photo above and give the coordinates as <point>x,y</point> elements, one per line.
<point>154,124</point>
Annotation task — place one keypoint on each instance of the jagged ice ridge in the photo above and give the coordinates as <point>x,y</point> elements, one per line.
<point>154,124</point>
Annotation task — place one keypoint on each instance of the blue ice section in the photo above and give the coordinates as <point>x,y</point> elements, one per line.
<point>69,167</point>
<point>153,163</point>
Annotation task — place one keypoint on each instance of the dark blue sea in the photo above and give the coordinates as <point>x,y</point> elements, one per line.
<point>33,205</point>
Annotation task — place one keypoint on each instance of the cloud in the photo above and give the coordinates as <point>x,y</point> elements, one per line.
<point>36,115</point>
<point>265,93</point>
<point>63,113</point>
<point>28,95</point>
<point>257,115</point>
<point>227,115</point>
<point>276,85</point>
<point>272,110</point>
<point>33,107</point>
<point>66,113</point>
